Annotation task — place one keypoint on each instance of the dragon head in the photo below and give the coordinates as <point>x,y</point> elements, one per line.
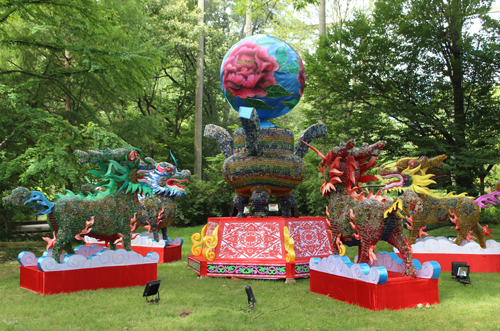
<point>18,197</point>
<point>122,169</point>
<point>22,196</point>
<point>167,180</point>
<point>410,174</point>
<point>403,179</point>
<point>346,164</point>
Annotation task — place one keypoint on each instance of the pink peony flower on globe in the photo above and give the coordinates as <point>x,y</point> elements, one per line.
<point>264,73</point>
<point>301,77</point>
<point>248,69</point>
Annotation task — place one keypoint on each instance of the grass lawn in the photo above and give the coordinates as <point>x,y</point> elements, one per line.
<point>218,304</point>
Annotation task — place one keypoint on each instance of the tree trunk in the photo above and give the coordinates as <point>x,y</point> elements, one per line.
<point>322,17</point>
<point>198,123</point>
<point>455,26</point>
<point>248,21</point>
<point>5,224</point>
<point>67,98</point>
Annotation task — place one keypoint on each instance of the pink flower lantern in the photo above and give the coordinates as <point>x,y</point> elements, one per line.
<point>265,73</point>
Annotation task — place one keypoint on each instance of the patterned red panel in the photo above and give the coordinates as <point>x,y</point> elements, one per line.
<point>311,238</point>
<point>251,240</point>
<point>211,227</point>
<point>210,231</point>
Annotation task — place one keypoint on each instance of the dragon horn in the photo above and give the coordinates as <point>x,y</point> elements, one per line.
<point>314,149</point>
<point>175,161</point>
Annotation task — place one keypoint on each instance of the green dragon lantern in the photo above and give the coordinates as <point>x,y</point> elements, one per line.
<point>110,210</point>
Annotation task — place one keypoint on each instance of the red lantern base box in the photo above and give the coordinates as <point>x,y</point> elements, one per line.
<point>445,251</point>
<point>477,262</point>
<point>68,281</point>
<point>397,293</point>
<point>266,248</point>
<point>168,250</point>
<point>90,268</point>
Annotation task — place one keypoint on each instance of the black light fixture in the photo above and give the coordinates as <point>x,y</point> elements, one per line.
<point>273,209</point>
<point>251,297</point>
<point>247,210</point>
<point>152,289</point>
<point>463,275</point>
<point>454,268</point>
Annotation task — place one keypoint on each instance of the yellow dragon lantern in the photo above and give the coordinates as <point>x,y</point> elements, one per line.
<point>459,209</point>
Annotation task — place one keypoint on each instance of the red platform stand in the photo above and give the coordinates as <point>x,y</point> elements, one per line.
<point>398,293</point>
<point>477,262</point>
<point>68,281</point>
<point>255,247</point>
<point>167,254</point>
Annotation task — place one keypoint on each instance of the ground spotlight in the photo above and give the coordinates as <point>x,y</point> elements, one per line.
<point>463,275</point>
<point>250,297</point>
<point>454,268</point>
<point>152,289</point>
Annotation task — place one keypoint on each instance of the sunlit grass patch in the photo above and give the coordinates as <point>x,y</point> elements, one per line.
<point>219,304</point>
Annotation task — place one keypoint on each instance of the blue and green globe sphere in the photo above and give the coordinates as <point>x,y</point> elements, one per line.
<point>265,73</point>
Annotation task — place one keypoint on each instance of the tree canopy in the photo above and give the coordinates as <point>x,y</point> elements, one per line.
<point>415,74</point>
<point>94,74</point>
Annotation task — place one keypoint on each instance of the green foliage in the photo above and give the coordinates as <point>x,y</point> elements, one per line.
<point>490,216</point>
<point>308,197</point>
<point>279,19</point>
<point>42,158</point>
<point>91,75</point>
<point>212,197</point>
<point>73,55</point>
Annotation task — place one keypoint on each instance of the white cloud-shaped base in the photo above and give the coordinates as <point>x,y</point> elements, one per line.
<point>443,245</point>
<point>392,262</point>
<point>87,257</point>
<point>376,273</point>
<point>342,266</point>
<point>176,242</point>
<point>145,239</point>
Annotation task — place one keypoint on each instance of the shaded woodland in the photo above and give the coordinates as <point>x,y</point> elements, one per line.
<point>90,75</point>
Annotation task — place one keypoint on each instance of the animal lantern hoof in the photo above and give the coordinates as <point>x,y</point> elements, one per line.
<point>410,271</point>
